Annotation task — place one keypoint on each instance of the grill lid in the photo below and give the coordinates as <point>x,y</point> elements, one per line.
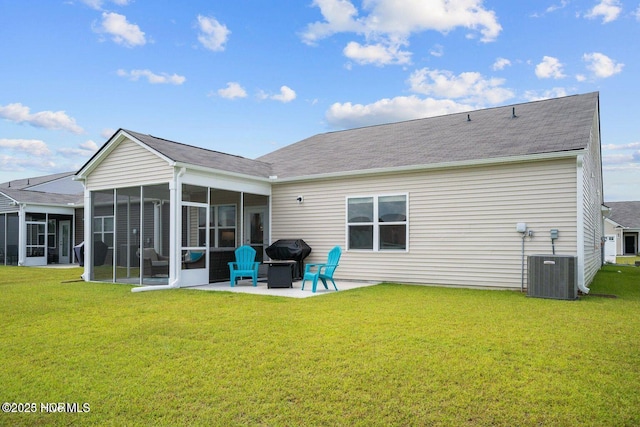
<point>288,249</point>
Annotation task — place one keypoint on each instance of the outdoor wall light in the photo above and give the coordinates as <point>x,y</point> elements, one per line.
<point>300,199</point>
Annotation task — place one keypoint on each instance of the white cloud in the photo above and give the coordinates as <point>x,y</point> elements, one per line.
<point>347,115</point>
<point>14,164</point>
<point>213,35</point>
<point>601,65</point>
<point>32,147</point>
<point>621,161</point>
<point>34,154</point>
<point>609,10</point>
<point>340,16</point>
<point>468,87</point>
<point>97,4</point>
<point>86,149</point>
<point>636,13</point>
<point>437,51</point>
<point>625,157</point>
<point>286,95</point>
<point>501,63</point>
<point>232,91</point>
<point>562,5</point>
<point>57,120</point>
<point>121,31</point>
<point>550,67</point>
<point>107,133</point>
<point>630,146</point>
<point>556,92</point>
<point>385,26</point>
<point>152,77</point>
<point>441,16</point>
<point>377,54</point>
<point>89,145</point>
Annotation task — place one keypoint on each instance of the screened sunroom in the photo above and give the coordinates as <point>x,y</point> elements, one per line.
<point>176,225</point>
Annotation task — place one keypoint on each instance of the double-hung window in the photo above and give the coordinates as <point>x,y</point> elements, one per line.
<point>377,223</point>
<point>103,230</point>
<point>222,226</point>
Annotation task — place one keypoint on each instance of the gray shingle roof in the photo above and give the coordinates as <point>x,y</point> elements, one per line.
<point>42,198</point>
<point>19,184</point>
<point>626,214</point>
<point>554,125</point>
<point>20,190</point>
<point>203,157</point>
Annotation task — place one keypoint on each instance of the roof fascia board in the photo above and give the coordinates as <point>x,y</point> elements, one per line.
<point>205,169</point>
<point>9,197</point>
<point>111,145</point>
<point>437,166</point>
<point>614,223</point>
<point>53,208</point>
<point>144,184</point>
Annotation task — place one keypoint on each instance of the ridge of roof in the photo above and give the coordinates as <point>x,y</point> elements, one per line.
<point>537,127</point>
<point>438,116</point>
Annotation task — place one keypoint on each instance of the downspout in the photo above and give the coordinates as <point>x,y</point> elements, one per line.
<point>172,285</point>
<point>22,234</point>
<point>172,241</point>
<point>580,222</point>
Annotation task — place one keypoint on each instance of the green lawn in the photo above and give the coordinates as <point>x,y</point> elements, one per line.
<point>377,356</point>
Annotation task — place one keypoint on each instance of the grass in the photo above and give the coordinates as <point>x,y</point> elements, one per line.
<point>378,356</point>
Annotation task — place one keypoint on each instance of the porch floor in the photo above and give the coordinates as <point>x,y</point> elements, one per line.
<point>245,286</point>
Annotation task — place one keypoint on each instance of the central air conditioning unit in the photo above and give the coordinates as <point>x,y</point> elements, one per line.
<point>552,276</point>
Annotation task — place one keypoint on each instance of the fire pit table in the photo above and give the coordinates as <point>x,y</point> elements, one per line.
<point>290,250</point>
<point>280,273</point>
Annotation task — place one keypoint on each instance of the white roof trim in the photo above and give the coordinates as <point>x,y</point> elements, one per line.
<point>9,197</point>
<point>614,223</point>
<point>193,167</point>
<point>113,142</point>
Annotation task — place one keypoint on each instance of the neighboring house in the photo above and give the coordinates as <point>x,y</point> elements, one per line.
<point>431,201</point>
<point>622,229</point>
<point>38,220</point>
<point>428,201</point>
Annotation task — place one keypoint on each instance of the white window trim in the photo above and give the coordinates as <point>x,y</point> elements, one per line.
<point>38,235</point>
<point>376,223</point>
<point>102,232</point>
<point>215,227</point>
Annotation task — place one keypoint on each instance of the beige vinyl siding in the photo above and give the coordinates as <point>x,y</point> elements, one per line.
<point>462,222</point>
<point>127,165</point>
<point>591,205</point>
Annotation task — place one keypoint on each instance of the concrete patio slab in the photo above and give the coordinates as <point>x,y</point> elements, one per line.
<point>245,286</point>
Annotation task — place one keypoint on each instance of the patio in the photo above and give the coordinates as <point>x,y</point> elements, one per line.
<point>245,286</point>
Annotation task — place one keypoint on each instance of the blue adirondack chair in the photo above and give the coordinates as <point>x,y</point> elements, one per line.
<point>323,272</point>
<point>245,265</point>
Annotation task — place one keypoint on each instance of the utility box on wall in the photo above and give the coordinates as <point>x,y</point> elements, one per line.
<point>552,276</point>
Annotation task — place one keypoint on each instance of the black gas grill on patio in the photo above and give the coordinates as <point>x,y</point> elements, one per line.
<point>290,249</point>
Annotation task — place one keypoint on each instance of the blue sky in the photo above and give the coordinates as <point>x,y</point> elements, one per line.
<point>247,77</point>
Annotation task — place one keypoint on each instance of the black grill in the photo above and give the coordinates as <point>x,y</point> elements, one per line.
<point>290,249</point>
